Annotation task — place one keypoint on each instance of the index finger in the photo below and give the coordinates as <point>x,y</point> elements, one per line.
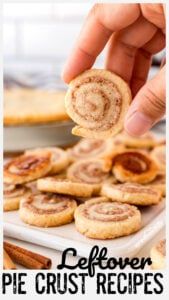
<point>102,21</point>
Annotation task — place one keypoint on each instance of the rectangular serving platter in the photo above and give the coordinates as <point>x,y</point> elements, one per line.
<point>60,238</point>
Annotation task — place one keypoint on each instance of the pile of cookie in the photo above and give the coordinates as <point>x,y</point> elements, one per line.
<point>98,183</point>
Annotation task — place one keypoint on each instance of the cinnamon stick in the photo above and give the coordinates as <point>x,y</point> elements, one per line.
<point>8,264</point>
<point>27,258</point>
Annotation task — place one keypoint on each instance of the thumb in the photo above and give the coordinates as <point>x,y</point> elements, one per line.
<point>148,106</point>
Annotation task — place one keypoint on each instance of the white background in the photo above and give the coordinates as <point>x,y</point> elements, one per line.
<point>40,36</point>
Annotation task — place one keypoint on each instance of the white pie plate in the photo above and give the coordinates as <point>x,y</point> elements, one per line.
<point>59,238</point>
<point>19,138</point>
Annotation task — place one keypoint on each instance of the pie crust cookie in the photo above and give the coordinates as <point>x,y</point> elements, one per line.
<point>97,100</point>
<point>103,219</point>
<point>33,106</point>
<point>27,168</point>
<point>59,158</point>
<point>132,193</point>
<point>13,195</point>
<point>134,166</point>
<point>158,255</point>
<point>159,183</point>
<point>91,148</point>
<point>65,186</point>
<point>159,154</point>
<point>90,171</point>
<point>47,210</point>
<point>146,141</point>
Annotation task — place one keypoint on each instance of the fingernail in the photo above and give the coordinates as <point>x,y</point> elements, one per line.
<point>137,124</point>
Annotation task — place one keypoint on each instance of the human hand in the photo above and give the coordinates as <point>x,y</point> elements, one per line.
<point>133,32</point>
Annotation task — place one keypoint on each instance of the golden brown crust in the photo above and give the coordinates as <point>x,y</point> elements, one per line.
<point>146,141</point>
<point>158,255</point>
<point>132,193</point>
<point>32,106</point>
<point>59,157</point>
<point>47,210</point>
<point>65,186</point>
<point>89,148</point>
<point>13,195</point>
<point>27,168</point>
<point>134,166</point>
<point>97,100</point>
<point>104,219</point>
<point>90,171</point>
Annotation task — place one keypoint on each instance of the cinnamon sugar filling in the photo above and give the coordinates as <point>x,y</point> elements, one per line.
<point>133,162</point>
<point>134,188</point>
<point>91,147</point>
<point>24,164</point>
<point>89,112</point>
<point>90,173</point>
<point>58,204</point>
<point>17,191</point>
<point>108,212</point>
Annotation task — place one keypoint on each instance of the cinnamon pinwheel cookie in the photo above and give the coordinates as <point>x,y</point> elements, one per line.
<point>47,210</point>
<point>132,193</point>
<point>27,168</point>
<point>146,141</point>
<point>159,155</point>
<point>158,255</point>
<point>97,100</point>
<point>159,183</point>
<point>59,157</point>
<point>64,186</point>
<point>103,219</point>
<point>13,195</point>
<point>90,171</point>
<point>91,148</point>
<point>134,166</point>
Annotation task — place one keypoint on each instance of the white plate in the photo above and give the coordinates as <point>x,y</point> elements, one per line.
<point>59,238</point>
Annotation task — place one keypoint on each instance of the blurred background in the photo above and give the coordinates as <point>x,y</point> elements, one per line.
<point>37,39</point>
<point>39,36</point>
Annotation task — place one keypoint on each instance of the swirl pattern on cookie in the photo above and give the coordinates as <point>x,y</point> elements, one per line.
<point>65,186</point>
<point>13,195</point>
<point>97,100</point>
<point>90,171</point>
<point>27,168</point>
<point>47,210</point>
<point>134,166</point>
<point>146,141</point>
<point>158,255</point>
<point>103,219</point>
<point>159,154</point>
<point>59,157</point>
<point>91,148</point>
<point>132,193</point>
